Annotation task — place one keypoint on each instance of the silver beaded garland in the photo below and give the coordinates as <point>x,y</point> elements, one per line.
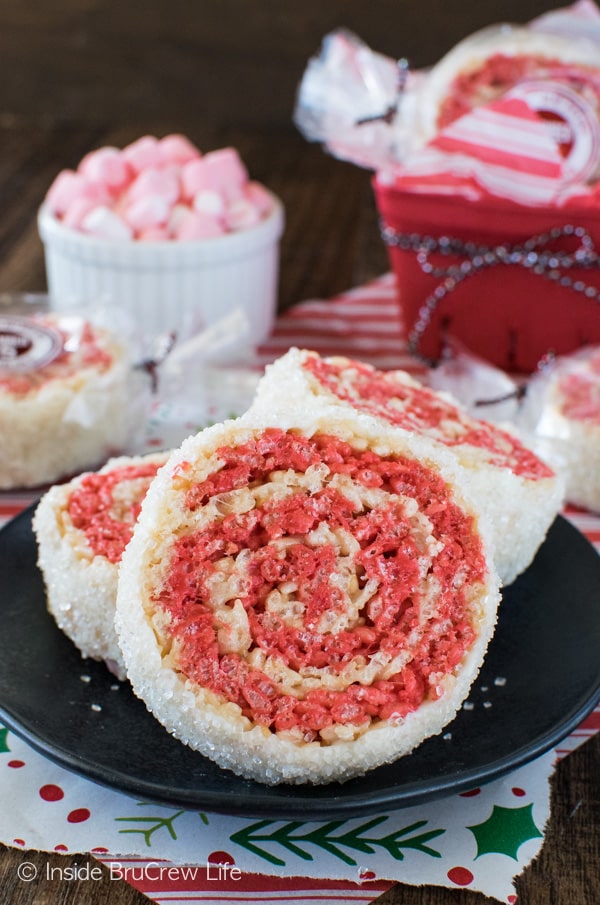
<point>533,254</point>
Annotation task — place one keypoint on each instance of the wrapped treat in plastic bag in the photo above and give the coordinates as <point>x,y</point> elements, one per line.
<point>207,378</point>
<point>69,394</point>
<point>581,20</point>
<point>373,110</point>
<point>540,66</point>
<point>483,390</point>
<point>356,101</point>
<point>562,413</point>
<point>512,112</point>
<point>487,180</point>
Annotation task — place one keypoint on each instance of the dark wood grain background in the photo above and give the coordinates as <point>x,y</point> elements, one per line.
<point>201,61</point>
<point>78,74</point>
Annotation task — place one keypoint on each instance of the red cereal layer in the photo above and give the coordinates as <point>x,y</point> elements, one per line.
<point>499,73</point>
<point>420,409</point>
<point>579,390</point>
<point>388,552</point>
<point>108,525</point>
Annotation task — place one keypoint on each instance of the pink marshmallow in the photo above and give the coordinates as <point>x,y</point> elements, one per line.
<point>177,149</point>
<point>228,175</point>
<point>68,186</point>
<point>209,202</point>
<point>107,165</point>
<point>153,234</point>
<point>241,214</point>
<point>104,223</point>
<point>147,212</point>
<point>143,153</point>
<point>260,197</point>
<point>77,211</point>
<point>179,212</point>
<point>197,226</point>
<point>155,182</point>
<point>218,171</point>
<point>155,189</point>
<point>195,178</point>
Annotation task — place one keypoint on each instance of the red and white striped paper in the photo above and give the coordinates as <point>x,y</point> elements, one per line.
<point>508,150</point>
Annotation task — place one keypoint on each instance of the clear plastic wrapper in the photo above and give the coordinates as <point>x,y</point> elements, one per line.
<point>561,415</point>
<point>70,395</point>
<point>487,169</point>
<point>357,102</point>
<point>483,390</point>
<point>204,380</point>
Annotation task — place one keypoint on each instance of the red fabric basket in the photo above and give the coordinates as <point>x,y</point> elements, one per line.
<point>507,313</point>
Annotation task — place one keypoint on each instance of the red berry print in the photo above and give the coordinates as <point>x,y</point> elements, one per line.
<point>518,792</point>
<point>470,794</point>
<point>61,848</point>
<point>51,792</point>
<point>366,874</point>
<point>19,841</point>
<point>461,876</point>
<point>15,764</point>
<point>220,858</point>
<point>78,815</point>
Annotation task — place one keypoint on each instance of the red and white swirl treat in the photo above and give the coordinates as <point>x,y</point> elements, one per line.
<point>563,412</point>
<point>82,529</point>
<point>517,491</point>
<point>502,59</point>
<point>64,397</point>
<point>306,602</point>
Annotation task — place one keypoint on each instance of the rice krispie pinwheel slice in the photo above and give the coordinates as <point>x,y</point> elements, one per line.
<point>65,398</point>
<point>306,602</point>
<point>562,410</point>
<point>518,492</point>
<point>82,529</point>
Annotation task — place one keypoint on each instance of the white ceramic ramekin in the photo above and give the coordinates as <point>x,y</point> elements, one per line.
<point>174,285</point>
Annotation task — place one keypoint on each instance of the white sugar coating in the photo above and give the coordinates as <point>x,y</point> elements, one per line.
<point>67,423</point>
<point>520,509</point>
<point>562,413</point>
<point>204,719</point>
<point>579,460</point>
<point>81,586</point>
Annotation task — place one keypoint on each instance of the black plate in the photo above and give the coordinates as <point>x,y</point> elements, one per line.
<point>540,678</point>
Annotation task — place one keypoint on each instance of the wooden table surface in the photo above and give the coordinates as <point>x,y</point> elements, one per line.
<point>331,243</point>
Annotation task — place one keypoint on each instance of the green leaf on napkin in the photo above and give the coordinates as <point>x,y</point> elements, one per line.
<point>327,836</point>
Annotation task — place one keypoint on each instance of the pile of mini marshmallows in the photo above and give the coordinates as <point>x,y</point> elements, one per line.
<point>156,189</point>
